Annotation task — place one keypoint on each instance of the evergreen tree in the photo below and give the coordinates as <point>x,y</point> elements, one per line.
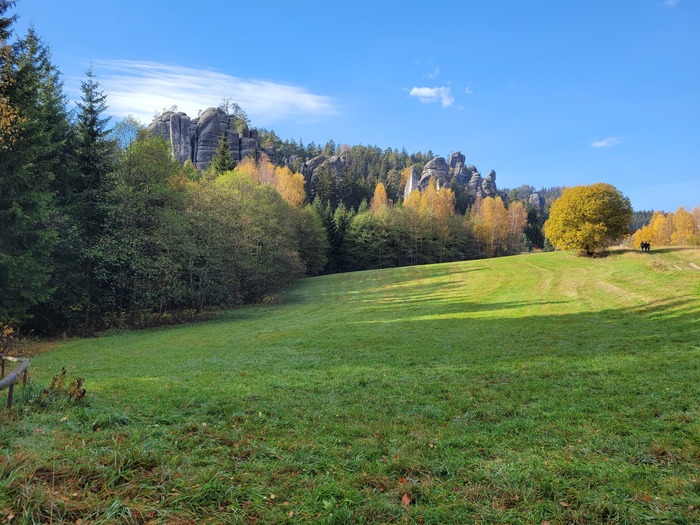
<point>222,160</point>
<point>84,200</point>
<point>27,169</point>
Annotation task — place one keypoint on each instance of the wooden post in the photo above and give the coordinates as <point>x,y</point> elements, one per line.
<point>10,392</point>
<point>24,376</point>
<point>2,359</point>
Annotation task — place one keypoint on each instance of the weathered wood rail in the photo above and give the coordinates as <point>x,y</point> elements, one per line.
<point>9,381</point>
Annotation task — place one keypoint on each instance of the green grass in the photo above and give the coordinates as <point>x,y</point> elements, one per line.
<point>542,387</point>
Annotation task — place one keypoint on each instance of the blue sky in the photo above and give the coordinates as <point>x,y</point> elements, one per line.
<point>544,92</point>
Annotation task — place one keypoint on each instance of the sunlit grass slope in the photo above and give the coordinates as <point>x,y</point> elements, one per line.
<point>543,387</point>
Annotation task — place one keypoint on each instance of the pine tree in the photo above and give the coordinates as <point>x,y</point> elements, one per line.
<point>222,160</point>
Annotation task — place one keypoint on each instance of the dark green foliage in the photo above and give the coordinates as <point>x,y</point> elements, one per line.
<point>368,243</point>
<point>27,171</point>
<point>533,230</point>
<point>313,242</point>
<point>133,262</point>
<point>640,219</point>
<point>222,160</point>
<point>365,166</point>
<point>6,22</point>
<point>84,195</point>
<point>242,244</point>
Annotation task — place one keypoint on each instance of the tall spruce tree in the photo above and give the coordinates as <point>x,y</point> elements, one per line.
<point>27,169</point>
<point>222,161</point>
<point>96,160</point>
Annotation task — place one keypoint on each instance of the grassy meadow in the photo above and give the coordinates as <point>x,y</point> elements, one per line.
<point>541,388</point>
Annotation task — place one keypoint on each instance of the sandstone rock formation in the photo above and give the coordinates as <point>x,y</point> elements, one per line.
<point>411,183</point>
<point>454,169</point>
<point>196,139</point>
<point>335,165</point>
<point>535,200</point>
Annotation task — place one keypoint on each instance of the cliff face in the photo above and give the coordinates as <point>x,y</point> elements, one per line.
<point>445,171</point>
<point>196,139</point>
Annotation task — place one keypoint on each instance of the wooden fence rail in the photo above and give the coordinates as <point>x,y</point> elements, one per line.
<point>9,381</point>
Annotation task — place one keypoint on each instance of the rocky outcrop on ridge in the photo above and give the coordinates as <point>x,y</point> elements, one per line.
<point>444,172</point>
<point>196,139</point>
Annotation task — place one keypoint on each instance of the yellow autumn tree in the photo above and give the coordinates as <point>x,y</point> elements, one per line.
<point>517,220</point>
<point>491,226</point>
<point>685,228</point>
<point>379,201</point>
<point>404,175</point>
<point>290,186</point>
<point>588,218</point>
<point>10,116</point>
<point>662,226</point>
<point>644,234</point>
<point>413,201</point>
<point>670,229</point>
<point>249,168</point>
<point>266,171</point>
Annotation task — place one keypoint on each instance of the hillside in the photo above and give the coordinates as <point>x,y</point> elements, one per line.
<point>541,387</point>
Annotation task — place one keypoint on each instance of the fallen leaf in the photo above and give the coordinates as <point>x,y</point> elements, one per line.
<point>405,500</point>
<point>432,445</point>
<point>545,523</point>
<point>38,430</point>
<point>10,518</point>
<point>285,503</point>
<point>563,504</point>
<point>64,418</point>
<point>403,480</point>
<point>291,513</point>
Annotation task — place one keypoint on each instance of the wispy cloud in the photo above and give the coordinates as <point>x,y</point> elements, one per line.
<point>428,95</point>
<point>670,3</point>
<point>606,143</point>
<point>434,73</point>
<point>469,91</point>
<point>142,88</point>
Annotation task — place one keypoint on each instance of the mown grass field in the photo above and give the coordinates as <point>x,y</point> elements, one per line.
<point>530,389</point>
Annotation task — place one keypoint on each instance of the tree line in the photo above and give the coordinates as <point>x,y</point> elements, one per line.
<point>101,228</point>
<point>679,228</point>
<point>97,232</point>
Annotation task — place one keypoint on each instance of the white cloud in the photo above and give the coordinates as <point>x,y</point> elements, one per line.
<point>606,143</point>
<point>436,94</point>
<point>142,88</point>
<point>670,3</point>
<point>469,91</point>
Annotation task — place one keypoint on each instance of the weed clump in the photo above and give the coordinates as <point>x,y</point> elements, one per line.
<point>58,390</point>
